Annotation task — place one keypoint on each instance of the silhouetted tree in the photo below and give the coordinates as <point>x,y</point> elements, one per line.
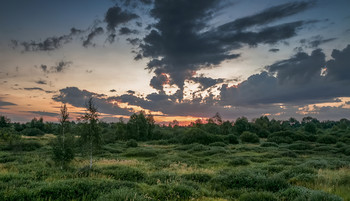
<point>4,122</point>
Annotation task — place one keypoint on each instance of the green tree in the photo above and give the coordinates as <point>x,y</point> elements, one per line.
<point>63,146</point>
<point>90,135</point>
<point>4,122</point>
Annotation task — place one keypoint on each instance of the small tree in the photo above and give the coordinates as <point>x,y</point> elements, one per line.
<point>63,151</point>
<point>91,135</point>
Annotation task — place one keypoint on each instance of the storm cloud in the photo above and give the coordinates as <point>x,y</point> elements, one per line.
<point>180,43</point>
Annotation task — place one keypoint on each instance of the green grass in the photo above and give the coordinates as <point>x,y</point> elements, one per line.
<point>153,171</point>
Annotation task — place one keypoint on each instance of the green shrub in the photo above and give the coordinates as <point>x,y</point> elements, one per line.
<point>232,139</point>
<point>141,153</point>
<point>291,154</point>
<point>123,173</point>
<point>131,143</point>
<point>237,161</point>
<point>249,137</point>
<point>300,146</point>
<point>258,196</point>
<point>161,177</point>
<point>274,184</point>
<point>171,192</point>
<point>269,144</point>
<point>197,135</point>
<point>197,177</point>
<point>24,145</point>
<point>32,132</point>
<point>217,144</point>
<point>239,179</point>
<point>327,139</point>
<point>122,194</point>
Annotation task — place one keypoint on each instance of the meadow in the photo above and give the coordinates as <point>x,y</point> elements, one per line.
<point>183,163</point>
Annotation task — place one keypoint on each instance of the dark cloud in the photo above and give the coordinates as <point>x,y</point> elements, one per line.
<point>112,90</point>
<point>78,98</point>
<point>44,68</point>
<point>49,44</point>
<point>182,43</point>
<point>115,16</point>
<point>267,16</point>
<point>41,82</point>
<point>299,69</point>
<point>338,68</point>
<point>131,92</point>
<point>298,81</point>
<point>95,32</point>
<point>43,113</point>
<point>315,41</point>
<point>127,31</point>
<point>5,103</point>
<point>274,50</point>
<point>134,41</point>
<point>61,66</point>
<point>206,82</point>
<point>38,89</point>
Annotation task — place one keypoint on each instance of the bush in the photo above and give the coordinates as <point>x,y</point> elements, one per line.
<point>249,137</point>
<point>123,173</point>
<point>327,139</point>
<point>124,194</point>
<point>258,196</point>
<point>217,144</point>
<point>232,139</point>
<point>131,143</point>
<point>274,184</point>
<point>171,192</point>
<point>197,135</point>
<point>300,146</point>
<point>269,144</point>
<point>239,161</point>
<point>197,177</point>
<point>32,132</point>
<point>141,153</point>
<point>161,177</point>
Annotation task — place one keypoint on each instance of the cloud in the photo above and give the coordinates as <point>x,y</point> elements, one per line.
<point>182,43</point>
<point>301,68</point>
<point>43,113</point>
<point>38,89</point>
<point>127,31</point>
<point>298,81</point>
<point>338,67</point>
<point>315,41</point>
<point>78,98</point>
<point>49,44</point>
<point>267,16</point>
<point>274,50</point>
<point>206,82</point>
<point>5,103</point>
<point>114,17</point>
<point>60,67</point>
<point>112,90</point>
<point>134,41</point>
<point>95,32</point>
<point>41,82</point>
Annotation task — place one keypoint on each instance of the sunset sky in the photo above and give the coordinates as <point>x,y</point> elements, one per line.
<point>177,59</point>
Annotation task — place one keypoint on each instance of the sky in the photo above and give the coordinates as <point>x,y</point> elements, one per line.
<point>175,59</point>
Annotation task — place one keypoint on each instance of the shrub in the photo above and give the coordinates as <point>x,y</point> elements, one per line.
<point>197,135</point>
<point>22,145</point>
<point>171,192</point>
<point>217,144</point>
<point>237,161</point>
<point>269,144</point>
<point>300,146</point>
<point>274,184</point>
<point>232,139</point>
<point>258,196</point>
<point>161,177</point>
<point>123,173</point>
<point>124,194</point>
<point>240,179</point>
<point>32,132</point>
<point>197,177</point>
<point>249,137</point>
<point>141,153</point>
<point>327,139</point>
<point>131,143</point>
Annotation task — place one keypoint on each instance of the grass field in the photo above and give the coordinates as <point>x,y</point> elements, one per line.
<point>155,170</point>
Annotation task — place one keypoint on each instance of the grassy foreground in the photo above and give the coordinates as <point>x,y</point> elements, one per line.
<point>159,170</point>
